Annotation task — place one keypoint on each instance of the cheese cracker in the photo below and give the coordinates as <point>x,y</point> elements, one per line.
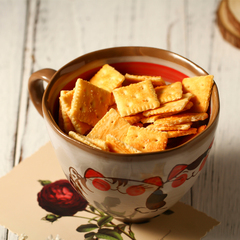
<point>71,123</point>
<point>169,107</point>
<point>90,103</point>
<point>136,98</point>
<point>156,80</point>
<point>169,93</point>
<point>107,78</point>
<point>201,88</point>
<point>177,127</point>
<point>115,145</point>
<point>146,140</point>
<point>111,123</point>
<point>174,134</point>
<point>65,100</point>
<point>181,118</point>
<point>133,119</point>
<point>82,139</point>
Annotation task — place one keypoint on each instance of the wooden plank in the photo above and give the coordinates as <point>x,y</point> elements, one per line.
<point>12,30</point>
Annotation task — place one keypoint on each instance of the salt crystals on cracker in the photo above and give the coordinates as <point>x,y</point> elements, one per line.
<point>90,103</point>
<point>201,88</point>
<point>136,98</point>
<point>131,113</point>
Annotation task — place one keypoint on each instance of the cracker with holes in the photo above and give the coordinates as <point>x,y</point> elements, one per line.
<point>146,140</point>
<point>174,134</point>
<point>90,103</point>
<point>169,108</point>
<point>156,80</point>
<point>64,121</point>
<point>118,146</point>
<point>136,98</point>
<point>201,88</point>
<point>169,93</point>
<point>181,118</point>
<point>111,123</point>
<point>178,127</point>
<point>107,78</point>
<point>71,123</point>
<point>82,139</point>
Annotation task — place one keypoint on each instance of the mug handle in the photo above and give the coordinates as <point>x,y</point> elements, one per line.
<point>35,86</point>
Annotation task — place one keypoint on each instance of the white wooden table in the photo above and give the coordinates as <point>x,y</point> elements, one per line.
<point>37,34</point>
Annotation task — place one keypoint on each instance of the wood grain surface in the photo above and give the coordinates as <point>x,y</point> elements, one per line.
<point>36,34</point>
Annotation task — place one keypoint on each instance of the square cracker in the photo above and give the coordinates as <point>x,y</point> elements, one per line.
<point>174,134</point>
<point>136,98</point>
<point>169,107</point>
<point>90,103</point>
<point>178,127</point>
<point>71,123</point>
<point>156,80</point>
<point>107,78</point>
<point>111,123</point>
<point>146,140</point>
<point>65,100</point>
<point>181,118</point>
<point>116,145</point>
<point>169,93</point>
<point>201,88</point>
<point>83,139</point>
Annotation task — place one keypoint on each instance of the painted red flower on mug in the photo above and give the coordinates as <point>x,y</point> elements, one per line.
<point>60,198</point>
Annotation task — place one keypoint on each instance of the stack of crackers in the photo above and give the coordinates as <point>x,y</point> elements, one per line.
<point>134,114</point>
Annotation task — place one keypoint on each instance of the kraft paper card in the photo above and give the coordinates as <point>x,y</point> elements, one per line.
<point>36,201</point>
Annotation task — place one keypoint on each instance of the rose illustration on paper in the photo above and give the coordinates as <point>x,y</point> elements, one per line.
<point>61,199</point>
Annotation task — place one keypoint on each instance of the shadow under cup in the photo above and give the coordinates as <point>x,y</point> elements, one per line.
<point>130,187</point>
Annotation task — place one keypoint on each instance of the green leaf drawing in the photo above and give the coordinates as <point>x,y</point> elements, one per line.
<point>87,227</point>
<point>104,220</point>
<point>108,234</point>
<point>44,182</point>
<point>51,217</point>
<point>89,236</point>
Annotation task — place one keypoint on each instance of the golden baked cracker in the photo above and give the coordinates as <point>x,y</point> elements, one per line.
<point>150,119</point>
<point>178,127</point>
<point>111,123</point>
<point>116,145</point>
<point>90,103</point>
<point>65,100</point>
<point>98,142</point>
<point>169,107</point>
<point>107,78</point>
<point>174,134</point>
<point>201,88</point>
<point>146,140</point>
<point>136,98</point>
<point>156,80</point>
<point>80,127</point>
<point>202,128</point>
<point>71,123</point>
<point>181,118</point>
<point>133,119</point>
<point>169,93</point>
<point>81,138</point>
<point>188,106</point>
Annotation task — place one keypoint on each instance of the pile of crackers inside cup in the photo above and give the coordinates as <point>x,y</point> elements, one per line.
<point>133,114</point>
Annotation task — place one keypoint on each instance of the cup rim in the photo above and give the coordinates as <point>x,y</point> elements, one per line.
<point>185,61</point>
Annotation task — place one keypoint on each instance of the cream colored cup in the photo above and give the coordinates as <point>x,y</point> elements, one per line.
<point>130,187</point>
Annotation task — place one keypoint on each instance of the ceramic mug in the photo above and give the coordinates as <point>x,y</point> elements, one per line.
<point>130,187</point>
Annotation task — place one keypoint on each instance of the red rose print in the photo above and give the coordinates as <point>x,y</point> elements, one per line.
<point>60,198</point>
